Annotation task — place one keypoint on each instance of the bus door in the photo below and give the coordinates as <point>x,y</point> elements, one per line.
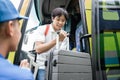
<point>85,29</point>
<point>106,39</point>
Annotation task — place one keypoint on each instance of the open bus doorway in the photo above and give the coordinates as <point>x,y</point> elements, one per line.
<point>44,16</point>
<point>75,18</point>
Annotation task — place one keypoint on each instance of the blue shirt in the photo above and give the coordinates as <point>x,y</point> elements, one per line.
<point>9,71</point>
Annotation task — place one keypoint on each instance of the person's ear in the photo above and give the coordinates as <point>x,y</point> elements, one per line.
<point>10,28</point>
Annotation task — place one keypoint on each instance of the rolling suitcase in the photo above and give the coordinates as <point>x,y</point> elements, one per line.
<point>68,65</point>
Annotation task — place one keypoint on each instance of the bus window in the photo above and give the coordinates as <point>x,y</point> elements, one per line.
<point>109,13</point>
<point>16,3</point>
<point>32,24</point>
<point>108,38</point>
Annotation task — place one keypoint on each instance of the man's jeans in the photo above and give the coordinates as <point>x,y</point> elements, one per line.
<point>41,74</point>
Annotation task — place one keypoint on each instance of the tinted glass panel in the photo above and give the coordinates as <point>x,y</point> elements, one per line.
<point>109,27</point>
<point>109,14</point>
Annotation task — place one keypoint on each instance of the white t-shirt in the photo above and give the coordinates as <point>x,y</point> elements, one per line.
<point>40,36</point>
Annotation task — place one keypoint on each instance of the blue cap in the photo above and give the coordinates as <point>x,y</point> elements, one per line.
<point>8,11</point>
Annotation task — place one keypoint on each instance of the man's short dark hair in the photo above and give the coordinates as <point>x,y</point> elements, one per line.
<point>59,12</point>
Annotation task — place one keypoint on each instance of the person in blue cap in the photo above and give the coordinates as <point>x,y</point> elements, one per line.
<point>9,38</point>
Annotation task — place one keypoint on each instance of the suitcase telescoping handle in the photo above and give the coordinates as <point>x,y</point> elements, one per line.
<point>68,41</point>
<point>57,41</point>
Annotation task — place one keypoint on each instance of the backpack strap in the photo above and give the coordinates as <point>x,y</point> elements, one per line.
<point>46,30</point>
